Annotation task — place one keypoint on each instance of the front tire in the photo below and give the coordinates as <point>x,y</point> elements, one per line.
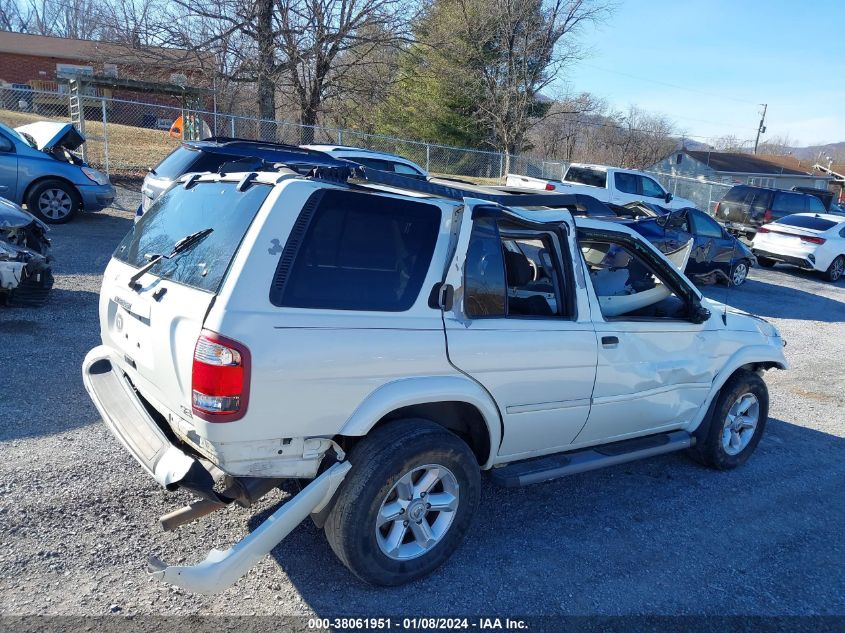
<point>836,269</point>
<point>738,421</point>
<point>406,504</point>
<point>53,201</point>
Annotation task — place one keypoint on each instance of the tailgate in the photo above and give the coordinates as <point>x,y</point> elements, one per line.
<point>154,337</point>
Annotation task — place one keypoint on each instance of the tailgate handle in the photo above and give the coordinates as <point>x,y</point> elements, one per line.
<point>610,341</point>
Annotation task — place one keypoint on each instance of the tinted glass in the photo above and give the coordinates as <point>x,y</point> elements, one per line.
<point>808,222</point>
<point>585,176</point>
<point>5,144</point>
<point>484,272</point>
<point>176,163</point>
<point>815,205</point>
<point>402,168</point>
<point>381,165</point>
<point>736,194</point>
<point>180,212</point>
<point>705,225</point>
<point>651,188</point>
<point>359,252</point>
<point>788,203</point>
<point>626,183</point>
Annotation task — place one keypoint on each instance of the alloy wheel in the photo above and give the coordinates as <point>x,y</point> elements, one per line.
<point>417,512</point>
<point>739,274</point>
<point>740,423</point>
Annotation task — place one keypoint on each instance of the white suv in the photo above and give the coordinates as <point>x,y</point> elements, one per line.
<point>391,340</point>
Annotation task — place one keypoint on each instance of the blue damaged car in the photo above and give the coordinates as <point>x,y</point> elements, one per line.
<point>39,169</point>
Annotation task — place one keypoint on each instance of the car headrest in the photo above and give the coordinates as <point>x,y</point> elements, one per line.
<point>518,268</point>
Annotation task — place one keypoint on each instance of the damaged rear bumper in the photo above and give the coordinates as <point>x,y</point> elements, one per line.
<point>222,569</point>
<point>129,421</point>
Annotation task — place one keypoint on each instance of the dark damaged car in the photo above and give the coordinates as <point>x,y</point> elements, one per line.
<point>25,261</point>
<point>716,255</point>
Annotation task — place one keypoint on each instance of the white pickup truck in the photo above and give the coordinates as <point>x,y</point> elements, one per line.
<point>608,184</point>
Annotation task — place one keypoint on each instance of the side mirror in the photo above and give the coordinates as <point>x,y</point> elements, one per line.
<point>699,314</point>
<point>669,197</point>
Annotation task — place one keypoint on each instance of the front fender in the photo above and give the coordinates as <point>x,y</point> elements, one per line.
<point>425,390</point>
<point>751,355</point>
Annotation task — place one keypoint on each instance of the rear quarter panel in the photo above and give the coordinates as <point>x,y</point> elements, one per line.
<point>311,369</point>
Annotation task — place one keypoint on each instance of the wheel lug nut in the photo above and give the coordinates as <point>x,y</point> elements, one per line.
<point>401,510</point>
<point>427,505</point>
<point>405,523</point>
<point>422,494</point>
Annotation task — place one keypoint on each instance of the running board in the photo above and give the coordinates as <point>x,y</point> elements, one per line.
<point>540,469</point>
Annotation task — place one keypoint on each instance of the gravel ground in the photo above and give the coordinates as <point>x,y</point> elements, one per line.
<point>664,536</point>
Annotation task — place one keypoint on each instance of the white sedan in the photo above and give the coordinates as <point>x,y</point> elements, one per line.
<point>812,241</point>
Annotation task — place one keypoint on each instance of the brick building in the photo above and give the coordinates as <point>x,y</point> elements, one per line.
<point>40,61</point>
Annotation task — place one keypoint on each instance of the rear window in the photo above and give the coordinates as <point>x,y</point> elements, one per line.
<point>585,176</point>
<point>737,194</point>
<point>808,222</point>
<point>357,252</point>
<point>181,212</point>
<point>183,160</point>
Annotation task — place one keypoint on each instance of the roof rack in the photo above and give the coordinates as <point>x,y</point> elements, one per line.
<point>579,202</point>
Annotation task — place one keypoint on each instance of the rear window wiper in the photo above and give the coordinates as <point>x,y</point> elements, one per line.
<point>179,247</point>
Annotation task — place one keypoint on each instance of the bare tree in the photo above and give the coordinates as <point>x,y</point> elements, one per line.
<point>519,47</point>
<point>76,19</point>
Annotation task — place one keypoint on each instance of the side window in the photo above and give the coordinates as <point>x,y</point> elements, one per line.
<point>405,170</point>
<point>815,205</point>
<point>705,225</point>
<point>842,232</point>
<point>626,183</point>
<point>651,188</point>
<point>5,144</point>
<point>788,203</point>
<point>626,285</point>
<point>512,272</point>
<point>484,272</point>
<point>372,163</point>
<point>359,252</point>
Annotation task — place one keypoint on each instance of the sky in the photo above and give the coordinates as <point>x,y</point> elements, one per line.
<point>709,64</point>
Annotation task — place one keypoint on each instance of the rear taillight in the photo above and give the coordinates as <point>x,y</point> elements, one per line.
<point>763,229</point>
<point>219,378</point>
<point>716,210</point>
<point>550,186</point>
<point>767,216</point>
<point>812,240</point>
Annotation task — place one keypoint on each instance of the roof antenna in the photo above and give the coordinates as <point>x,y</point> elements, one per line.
<point>730,282</point>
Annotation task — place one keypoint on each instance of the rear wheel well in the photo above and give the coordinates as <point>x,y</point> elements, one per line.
<point>461,418</point>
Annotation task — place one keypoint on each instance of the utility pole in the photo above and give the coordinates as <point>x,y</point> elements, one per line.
<point>762,128</point>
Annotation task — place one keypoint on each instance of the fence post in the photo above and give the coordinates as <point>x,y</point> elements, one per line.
<point>340,137</point>
<point>501,165</point>
<point>232,121</point>
<point>105,135</point>
<point>427,157</point>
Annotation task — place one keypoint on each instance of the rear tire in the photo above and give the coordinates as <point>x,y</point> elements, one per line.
<point>739,273</point>
<point>53,201</point>
<point>390,471</point>
<point>737,424</point>
<point>835,271</point>
<point>765,262</point>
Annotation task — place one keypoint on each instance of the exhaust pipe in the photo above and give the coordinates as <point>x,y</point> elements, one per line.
<point>245,491</point>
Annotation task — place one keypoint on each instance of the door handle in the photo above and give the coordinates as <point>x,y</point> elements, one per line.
<point>610,341</point>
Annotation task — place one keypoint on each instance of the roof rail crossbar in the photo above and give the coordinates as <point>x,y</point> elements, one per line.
<point>551,200</point>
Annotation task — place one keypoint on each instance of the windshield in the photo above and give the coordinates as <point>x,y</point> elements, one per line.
<point>808,222</point>
<point>181,212</point>
<point>17,135</point>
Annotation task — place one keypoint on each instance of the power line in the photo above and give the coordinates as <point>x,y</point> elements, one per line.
<point>667,84</point>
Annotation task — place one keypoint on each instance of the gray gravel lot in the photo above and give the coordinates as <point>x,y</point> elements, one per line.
<point>665,536</point>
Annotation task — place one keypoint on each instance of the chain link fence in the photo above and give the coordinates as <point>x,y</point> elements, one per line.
<point>125,138</point>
